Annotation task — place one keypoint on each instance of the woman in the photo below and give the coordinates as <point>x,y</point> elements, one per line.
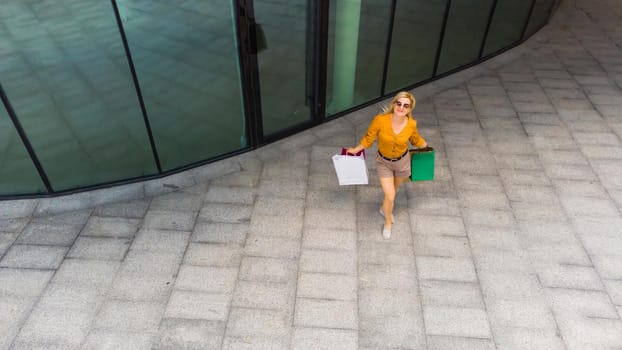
<point>394,129</point>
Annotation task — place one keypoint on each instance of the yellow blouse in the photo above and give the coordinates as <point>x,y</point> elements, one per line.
<point>390,144</point>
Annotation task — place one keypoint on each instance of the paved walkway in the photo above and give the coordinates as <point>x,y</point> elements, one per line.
<point>517,244</point>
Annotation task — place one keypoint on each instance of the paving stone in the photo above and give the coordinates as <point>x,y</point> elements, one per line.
<point>110,227</point>
<point>321,238</point>
<point>387,276</point>
<point>49,234</point>
<point>129,315</point>
<point>250,323</point>
<point>14,226</point>
<point>263,295</point>
<point>67,327</point>
<point>451,294</point>
<point>326,286</point>
<point>76,217</point>
<point>170,220</point>
<point>272,247</point>
<point>529,314</point>
<point>213,255</point>
<point>380,253</point>
<point>283,207</point>
<point>286,188</point>
<point>439,342</point>
<point>502,261</point>
<point>328,218</point>
<point>328,261</point>
<point>375,302</point>
<point>570,276</point>
<point>484,237</point>
<point>71,296</point>
<point>614,289</point>
<point>323,339</point>
<point>393,332</point>
<point>608,267</point>
<point>585,333</point>
<point>461,322</point>
<point>256,343</point>
<point>583,303</point>
<point>142,287</point>
<point>326,313</point>
<point>155,240</point>
<point>198,305</point>
<point>132,209</point>
<point>440,225</point>
<point>13,312</point>
<point>176,201</point>
<point>218,232</point>
<point>99,248</point>
<point>267,270</point>
<point>450,269</point>
<point>484,217</point>
<point>89,272</point>
<point>285,225</point>
<point>510,285</point>
<point>23,282</point>
<point>442,246</point>
<point>514,338</point>
<point>145,262</point>
<point>190,334</point>
<point>588,206</point>
<point>115,339</point>
<point>33,256</point>
<point>206,279</point>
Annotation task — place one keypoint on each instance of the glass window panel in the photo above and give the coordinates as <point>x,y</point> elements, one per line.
<point>539,16</point>
<point>66,74</point>
<point>416,33</point>
<point>283,64</point>
<point>463,38</point>
<point>507,24</point>
<point>186,60</point>
<point>18,174</point>
<point>357,40</point>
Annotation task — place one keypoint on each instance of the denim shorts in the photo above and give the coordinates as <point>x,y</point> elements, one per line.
<point>387,168</point>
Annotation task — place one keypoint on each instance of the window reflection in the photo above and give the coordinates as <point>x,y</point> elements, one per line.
<point>65,72</point>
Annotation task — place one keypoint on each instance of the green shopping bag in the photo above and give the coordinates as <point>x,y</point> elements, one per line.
<point>422,164</point>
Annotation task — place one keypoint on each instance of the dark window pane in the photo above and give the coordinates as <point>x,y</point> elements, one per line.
<point>358,33</point>
<point>18,174</point>
<point>66,74</point>
<point>283,65</point>
<point>539,16</point>
<point>186,61</point>
<point>507,24</point>
<point>466,25</point>
<point>416,33</point>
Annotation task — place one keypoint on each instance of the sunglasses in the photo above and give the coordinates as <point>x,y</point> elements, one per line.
<point>400,104</point>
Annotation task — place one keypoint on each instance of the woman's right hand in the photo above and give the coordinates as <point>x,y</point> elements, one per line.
<point>351,150</point>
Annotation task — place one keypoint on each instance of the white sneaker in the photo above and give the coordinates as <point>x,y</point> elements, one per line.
<point>386,232</point>
<point>392,217</point>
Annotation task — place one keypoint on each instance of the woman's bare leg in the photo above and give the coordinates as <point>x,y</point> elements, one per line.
<point>388,187</point>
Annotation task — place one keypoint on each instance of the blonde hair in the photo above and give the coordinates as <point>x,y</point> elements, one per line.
<point>402,94</point>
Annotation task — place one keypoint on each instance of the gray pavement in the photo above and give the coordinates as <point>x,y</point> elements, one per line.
<point>517,244</point>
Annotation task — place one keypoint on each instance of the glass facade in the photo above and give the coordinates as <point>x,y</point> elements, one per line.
<point>112,91</point>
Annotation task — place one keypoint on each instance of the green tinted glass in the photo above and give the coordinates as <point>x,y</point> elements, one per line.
<point>186,60</point>
<point>65,72</point>
<point>283,60</point>
<point>18,174</point>
<point>539,16</point>
<point>464,35</point>
<point>507,24</point>
<point>416,32</point>
<point>357,40</point>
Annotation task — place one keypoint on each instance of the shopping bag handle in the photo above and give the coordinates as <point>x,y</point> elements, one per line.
<point>421,150</point>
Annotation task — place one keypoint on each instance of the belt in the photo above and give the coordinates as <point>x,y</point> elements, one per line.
<point>392,159</point>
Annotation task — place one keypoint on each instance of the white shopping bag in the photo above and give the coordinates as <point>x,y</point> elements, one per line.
<point>351,169</point>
